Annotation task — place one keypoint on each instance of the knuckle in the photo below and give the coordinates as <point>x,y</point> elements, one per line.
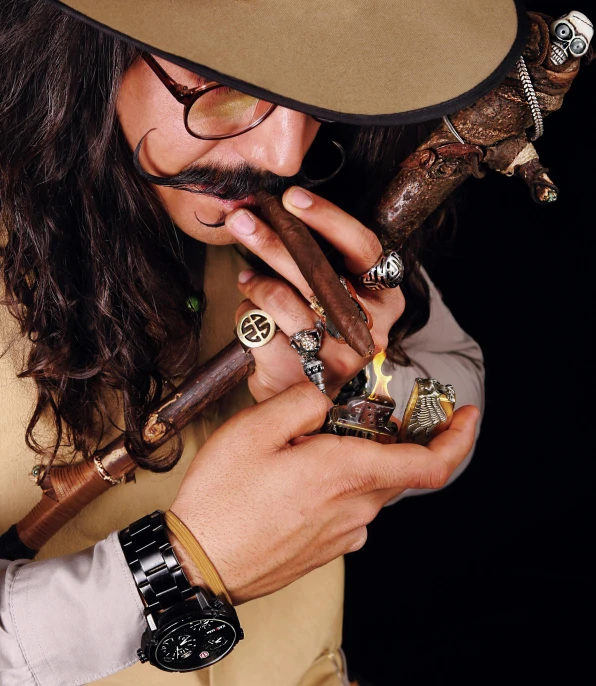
<point>244,306</point>
<point>313,401</point>
<point>381,477</point>
<point>344,368</point>
<point>355,483</point>
<point>393,302</point>
<point>381,341</point>
<point>331,447</point>
<point>278,296</point>
<point>369,246</point>
<point>366,514</point>
<point>266,384</point>
<point>357,540</point>
<point>436,476</point>
<point>319,402</point>
<point>364,474</point>
<point>269,243</point>
<point>400,302</point>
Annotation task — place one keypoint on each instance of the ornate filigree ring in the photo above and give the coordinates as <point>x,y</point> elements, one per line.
<point>388,272</point>
<point>307,344</point>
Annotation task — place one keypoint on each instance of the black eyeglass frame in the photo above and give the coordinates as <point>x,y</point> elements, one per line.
<point>188,96</point>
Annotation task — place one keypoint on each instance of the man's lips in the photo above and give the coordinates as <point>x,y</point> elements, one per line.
<point>231,205</point>
<point>228,207</point>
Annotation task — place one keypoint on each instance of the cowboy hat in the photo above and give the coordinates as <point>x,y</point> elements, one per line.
<point>355,61</point>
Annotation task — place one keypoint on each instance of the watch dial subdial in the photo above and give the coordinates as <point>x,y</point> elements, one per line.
<point>195,644</point>
<point>179,648</point>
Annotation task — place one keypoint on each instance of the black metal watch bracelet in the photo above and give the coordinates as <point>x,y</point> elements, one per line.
<point>156,569</point>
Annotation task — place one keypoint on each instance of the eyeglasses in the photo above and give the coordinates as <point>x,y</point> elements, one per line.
<point>213,111</point>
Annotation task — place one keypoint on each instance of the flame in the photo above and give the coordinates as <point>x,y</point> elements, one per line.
<point>381,380</point>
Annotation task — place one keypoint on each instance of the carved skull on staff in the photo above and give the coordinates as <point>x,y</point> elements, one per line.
<point>571,35</point>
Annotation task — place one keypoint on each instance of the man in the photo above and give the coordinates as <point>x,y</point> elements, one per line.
<point>99,277</point>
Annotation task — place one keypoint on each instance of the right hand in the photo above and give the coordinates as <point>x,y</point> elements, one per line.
<point>269,504</point>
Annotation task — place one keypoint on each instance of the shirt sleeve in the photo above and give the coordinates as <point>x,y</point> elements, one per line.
<point>441,350</point>
<point>68,620</point>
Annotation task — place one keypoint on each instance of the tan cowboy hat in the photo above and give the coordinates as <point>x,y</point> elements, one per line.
<point>355,61</point>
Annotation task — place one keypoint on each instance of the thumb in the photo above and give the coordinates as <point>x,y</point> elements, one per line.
<point>456,442</point>
<point>407,465</point>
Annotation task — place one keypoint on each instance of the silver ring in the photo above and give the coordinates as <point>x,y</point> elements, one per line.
<point>388,272</point>
<point>307,344</point>
<point>255,328</point>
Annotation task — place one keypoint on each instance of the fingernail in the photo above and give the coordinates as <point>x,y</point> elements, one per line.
<point>300,199</point>
<point>243,223</point>
<point>246,275</point>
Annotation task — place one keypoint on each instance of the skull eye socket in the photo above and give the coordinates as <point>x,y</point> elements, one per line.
<point>563,31</point>
<point>578,46</point>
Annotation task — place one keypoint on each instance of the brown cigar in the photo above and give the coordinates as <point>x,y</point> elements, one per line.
<point>319,274</point>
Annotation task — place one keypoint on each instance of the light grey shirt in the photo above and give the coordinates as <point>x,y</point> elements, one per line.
<point>55,611</point>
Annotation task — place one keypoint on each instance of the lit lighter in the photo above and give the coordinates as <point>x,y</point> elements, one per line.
<point>428,412</point>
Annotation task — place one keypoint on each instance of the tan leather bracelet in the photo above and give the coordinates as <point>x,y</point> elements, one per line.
<point>197,554</point>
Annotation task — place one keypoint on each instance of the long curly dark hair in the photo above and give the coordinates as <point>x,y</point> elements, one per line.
<point>93,269</point>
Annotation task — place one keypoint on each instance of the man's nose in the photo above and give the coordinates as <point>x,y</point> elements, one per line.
<point>279,143</point>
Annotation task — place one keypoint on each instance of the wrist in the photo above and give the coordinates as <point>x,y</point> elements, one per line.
<point>180,613</point>
<point>189,567</point>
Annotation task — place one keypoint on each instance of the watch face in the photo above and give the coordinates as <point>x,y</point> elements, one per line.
<point>195,643</point>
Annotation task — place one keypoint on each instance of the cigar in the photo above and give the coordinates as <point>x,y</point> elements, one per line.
<point>319,274</point>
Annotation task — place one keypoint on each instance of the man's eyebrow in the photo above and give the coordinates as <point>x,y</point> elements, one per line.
<point>199,80</point>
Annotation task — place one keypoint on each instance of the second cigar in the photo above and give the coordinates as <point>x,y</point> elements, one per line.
<point>318,273</point>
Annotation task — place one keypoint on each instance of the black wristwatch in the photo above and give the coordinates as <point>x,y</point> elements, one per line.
<point>188,628</point>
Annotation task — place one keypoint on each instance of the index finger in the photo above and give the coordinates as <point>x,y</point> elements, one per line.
<point>300,409</point>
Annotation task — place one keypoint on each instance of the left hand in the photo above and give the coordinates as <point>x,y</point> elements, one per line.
<point>287,299</point>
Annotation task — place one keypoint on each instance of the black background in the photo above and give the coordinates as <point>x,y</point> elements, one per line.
<point>490,580</point>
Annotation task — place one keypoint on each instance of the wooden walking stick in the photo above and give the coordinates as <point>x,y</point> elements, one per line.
<point>490,134</point>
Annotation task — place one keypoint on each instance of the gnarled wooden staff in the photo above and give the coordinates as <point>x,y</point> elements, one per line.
<point>491,133</point>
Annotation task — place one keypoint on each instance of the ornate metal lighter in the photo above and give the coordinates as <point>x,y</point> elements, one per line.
<point>368,415</point>
<point>428,412</point>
